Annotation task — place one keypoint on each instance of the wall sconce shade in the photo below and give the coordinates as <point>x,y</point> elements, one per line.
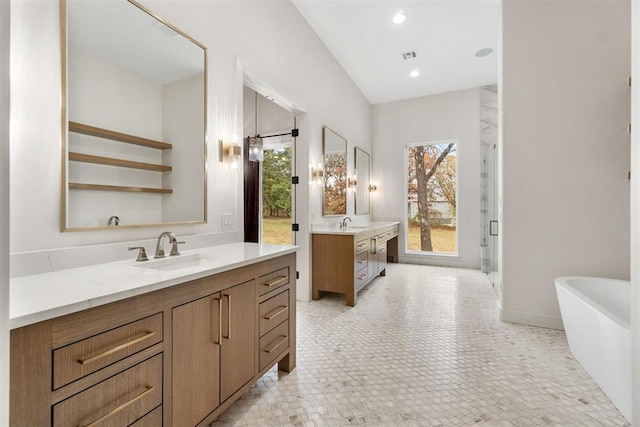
<point>229,152</point>
<point>352,182</point>
<point>256,153</point>
<point>317,174</point>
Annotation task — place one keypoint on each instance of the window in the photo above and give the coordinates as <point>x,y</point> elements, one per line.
<point>432,187</point>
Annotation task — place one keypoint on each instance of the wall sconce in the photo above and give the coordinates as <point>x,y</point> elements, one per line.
<point>317,174</point>
<point>372,188</point>
<point>229,152</point>
<point>256,153</point>
<point>352,182</point>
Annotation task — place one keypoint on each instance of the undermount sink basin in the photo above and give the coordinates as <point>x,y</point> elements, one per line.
<point>177,262</point>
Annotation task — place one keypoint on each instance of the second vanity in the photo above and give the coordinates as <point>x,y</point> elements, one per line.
<point>344,261</point>
<point>163,342</point>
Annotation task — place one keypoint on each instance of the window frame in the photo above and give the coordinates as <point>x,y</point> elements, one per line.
<point>405,219</point>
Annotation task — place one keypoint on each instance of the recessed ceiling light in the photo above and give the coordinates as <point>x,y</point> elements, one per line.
<point>484,52</point>
<point>414,73</point>
<point>399,17</point>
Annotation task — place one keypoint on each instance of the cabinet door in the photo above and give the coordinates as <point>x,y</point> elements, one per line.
<point>196,360</point>
<point>238,364</point>
<point>382,256</point>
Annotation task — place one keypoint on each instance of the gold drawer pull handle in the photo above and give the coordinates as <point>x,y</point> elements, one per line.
<point>119,408</point>
<point>116,349</point>
<point>276,312</point>
<point>228,316</point>
<point>283,338</point>
<point>364,261</point>
<point>276,281</point>
<point>219,342</point>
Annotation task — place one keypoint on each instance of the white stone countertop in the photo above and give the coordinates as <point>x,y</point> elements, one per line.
<point>39,297</point>
<point>353,229</point>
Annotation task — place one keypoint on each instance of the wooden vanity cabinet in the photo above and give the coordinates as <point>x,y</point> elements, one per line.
<point>237,359</point>
<point>213,351</point>
<point>345,263</point>
<point>179,356</point>
<point>196,359</point>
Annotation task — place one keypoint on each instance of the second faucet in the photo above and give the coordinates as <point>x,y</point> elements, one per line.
<point>344,223</point>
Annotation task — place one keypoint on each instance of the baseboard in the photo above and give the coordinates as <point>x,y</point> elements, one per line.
<point>452,261</point>
<point>531,319</point>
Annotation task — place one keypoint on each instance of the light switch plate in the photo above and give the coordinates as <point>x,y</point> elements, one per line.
<point>227,221</point>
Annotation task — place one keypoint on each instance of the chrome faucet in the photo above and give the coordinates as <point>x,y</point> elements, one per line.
<point>343,226</point>
<point>172,240</point>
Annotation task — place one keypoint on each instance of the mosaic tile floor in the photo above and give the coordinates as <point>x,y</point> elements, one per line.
<point>423,347</point>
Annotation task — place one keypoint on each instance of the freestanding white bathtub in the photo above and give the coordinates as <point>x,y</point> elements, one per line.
<point>596,313</point>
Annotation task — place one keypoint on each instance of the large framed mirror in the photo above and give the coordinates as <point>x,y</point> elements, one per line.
<point>334,195</point>
<point>361,196</point>
<point>133,119</point>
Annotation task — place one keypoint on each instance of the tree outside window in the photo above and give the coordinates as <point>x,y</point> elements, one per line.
<point>431,196</point>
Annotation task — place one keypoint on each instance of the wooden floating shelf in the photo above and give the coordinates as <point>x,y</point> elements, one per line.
<point>88,158</point>
<point>117,136</point>
<point>78,186</point>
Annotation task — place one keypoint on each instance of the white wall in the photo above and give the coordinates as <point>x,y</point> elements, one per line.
<point>289,58</point>
<point>454,115</point>
<point>4,211</point>
<point>635,214</point>
<point>565,192</point>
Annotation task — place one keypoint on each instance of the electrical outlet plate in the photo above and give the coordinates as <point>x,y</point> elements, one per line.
<point>227,221</point>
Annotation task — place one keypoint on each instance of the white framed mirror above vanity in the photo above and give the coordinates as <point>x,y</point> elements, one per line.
<point>134,111</point>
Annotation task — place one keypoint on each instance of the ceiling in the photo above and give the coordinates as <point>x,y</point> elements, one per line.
<point>445,34</point>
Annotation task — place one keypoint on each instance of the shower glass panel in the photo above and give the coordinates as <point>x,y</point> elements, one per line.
<point>489,180</point>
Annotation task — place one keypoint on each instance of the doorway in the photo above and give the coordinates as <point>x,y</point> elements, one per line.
<point>270,142</point>
<point>276,193</point>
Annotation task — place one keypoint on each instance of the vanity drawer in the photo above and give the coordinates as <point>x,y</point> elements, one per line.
<point>361,278</point>
<point>274,280</point>
<point>362,246</point>
<point>118,401</point>
<point>273,344</point>
<point>152,419</point>
<point>361,260</point>
<point>81,358</point>
<point>273,312</point>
